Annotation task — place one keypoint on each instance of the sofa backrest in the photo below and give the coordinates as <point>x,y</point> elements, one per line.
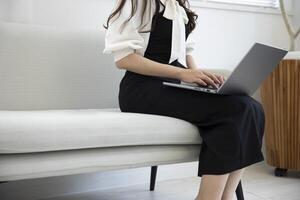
<point>43,67</point>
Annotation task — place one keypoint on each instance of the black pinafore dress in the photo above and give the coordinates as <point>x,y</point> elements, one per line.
<point>231,126</point>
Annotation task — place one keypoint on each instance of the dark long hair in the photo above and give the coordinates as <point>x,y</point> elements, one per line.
<point>134,5</point>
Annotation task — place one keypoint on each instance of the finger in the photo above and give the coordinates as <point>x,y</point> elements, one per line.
<point>212,76</point>
<point>209,81</point>
<point>220,78</point>
<point>224,79</point>
<point>200,72</point>
<point>201,82</point>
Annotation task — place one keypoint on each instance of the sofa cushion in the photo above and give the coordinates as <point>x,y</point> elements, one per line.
<point>54,130</point>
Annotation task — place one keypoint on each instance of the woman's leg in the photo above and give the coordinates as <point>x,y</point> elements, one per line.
<point>212,187</point>
<point>231,185</point>
<point>231,126</point>
<point>216,187</point>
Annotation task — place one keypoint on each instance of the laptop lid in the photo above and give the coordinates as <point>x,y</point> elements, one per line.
<point>252,70</point>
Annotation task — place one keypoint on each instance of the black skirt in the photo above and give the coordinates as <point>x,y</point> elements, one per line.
<point>231,126</point>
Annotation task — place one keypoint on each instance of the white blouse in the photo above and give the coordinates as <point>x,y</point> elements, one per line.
<point>133,41</point>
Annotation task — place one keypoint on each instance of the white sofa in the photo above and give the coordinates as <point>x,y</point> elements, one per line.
<point>59,110</point>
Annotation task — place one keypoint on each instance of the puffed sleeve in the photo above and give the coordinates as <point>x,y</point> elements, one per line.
<point>124,43</point>
<point>190,43</point>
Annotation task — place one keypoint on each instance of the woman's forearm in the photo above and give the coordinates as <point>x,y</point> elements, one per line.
<point>142,65</point>
<point>190,62</point>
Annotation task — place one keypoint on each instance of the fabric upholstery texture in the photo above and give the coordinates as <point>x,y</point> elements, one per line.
<point>54,130</point>
<point>47,164</point>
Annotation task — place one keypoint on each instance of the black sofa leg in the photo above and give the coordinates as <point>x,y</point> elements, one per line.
<point>239,191</point>
<point>153,177</point>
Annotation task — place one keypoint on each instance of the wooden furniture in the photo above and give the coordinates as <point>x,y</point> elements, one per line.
<point>280,94</point>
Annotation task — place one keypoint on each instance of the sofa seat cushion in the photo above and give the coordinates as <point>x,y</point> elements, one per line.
<point>55,130</point>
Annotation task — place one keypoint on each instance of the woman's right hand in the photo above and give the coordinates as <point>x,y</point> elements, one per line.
<point>201,77</point>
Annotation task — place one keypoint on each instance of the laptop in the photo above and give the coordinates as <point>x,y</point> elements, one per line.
<point>252,70</point>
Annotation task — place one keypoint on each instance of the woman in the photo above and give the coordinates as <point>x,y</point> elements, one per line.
<point>152,40</point>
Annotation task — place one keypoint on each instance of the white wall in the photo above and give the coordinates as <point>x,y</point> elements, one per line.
<point>223,38</point>
<point>218,31</point>
<point>213,24</point>
<point>296,20</point>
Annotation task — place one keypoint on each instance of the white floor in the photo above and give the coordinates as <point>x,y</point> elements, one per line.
<point>259,183</point>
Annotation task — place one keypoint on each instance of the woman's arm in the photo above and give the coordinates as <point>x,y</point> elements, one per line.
<point>142,65</point>
<point>190,62</point>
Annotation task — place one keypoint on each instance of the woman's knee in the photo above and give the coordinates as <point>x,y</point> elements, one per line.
<point>239,103</point>
<point>249,106</point>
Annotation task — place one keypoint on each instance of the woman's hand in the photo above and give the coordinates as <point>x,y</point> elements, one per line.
<point>201,77</point>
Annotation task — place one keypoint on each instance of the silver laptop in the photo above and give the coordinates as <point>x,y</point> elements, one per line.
<point>256,65</point>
